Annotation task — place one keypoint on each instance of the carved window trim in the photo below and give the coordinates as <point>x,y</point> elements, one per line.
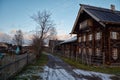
<point>98,36</point>
<point>113,35</point>
<point>84,38</point>
<point>115,53</point>
<point>90,37</point>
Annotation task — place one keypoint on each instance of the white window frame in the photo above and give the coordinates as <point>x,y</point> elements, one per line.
<point>113,35</point>
<point>115,53</point>
<point>90,37</point>
<point>98,35</point>
<point>84,38</point>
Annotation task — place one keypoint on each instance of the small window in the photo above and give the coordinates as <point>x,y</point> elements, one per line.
<point>90,37</point>
<point>98,36</point>
<point>84,50</point>
<point>84,38</point>
<point>79,39</point>
<point>79,50</point>
<point>97,51</point>
<point>115,53</point>
<point>113,35</point>
<point>90,51</point>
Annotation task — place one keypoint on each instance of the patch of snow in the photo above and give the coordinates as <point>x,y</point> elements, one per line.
<point>56,74</point>
<point>31,72</point>
<point>90,73</point>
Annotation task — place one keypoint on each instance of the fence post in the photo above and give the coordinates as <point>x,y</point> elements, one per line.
<point>27,59</point>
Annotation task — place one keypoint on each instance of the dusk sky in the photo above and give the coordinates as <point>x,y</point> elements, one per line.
<point>15,14</point>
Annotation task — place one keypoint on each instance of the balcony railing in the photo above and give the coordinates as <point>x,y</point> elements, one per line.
<point>86,23</point>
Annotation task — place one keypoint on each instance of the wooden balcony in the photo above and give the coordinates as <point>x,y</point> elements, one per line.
<point>85,24</point>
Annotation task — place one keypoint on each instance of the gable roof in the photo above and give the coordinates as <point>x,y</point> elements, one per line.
<point>101,15</point>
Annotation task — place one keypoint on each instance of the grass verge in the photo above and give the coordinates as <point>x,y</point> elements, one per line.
<point>42,60</point>
<point>31,68</point>
<point>109,70</point>
<point>38,62</point>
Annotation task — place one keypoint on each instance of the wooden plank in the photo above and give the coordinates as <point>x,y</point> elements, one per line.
<point>93,42</point>
<point>109,47</point>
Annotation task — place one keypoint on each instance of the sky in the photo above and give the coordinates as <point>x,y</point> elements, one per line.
<point>15,14</point>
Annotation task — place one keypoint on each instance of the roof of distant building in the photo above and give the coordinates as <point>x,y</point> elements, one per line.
<point>69,40</point>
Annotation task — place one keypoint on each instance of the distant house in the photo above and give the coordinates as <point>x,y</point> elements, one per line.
<point>27,49</point>
<point>2,44</point>
<point>3,47</point>
<point>98,35</point>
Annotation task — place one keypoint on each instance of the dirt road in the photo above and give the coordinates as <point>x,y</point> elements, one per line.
<point>57,69</point>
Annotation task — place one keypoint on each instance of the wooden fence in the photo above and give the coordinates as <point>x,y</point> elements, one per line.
<point>10,69</point>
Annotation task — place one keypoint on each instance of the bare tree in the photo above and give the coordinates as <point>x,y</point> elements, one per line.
<point>18,38</point>
<point>45,30</point>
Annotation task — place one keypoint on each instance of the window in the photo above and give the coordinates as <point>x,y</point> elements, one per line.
<point>90,51</point>
<point>84,50</point>
<point>79,26</point>
<point>79,39</point>
<point>79,50</point>
<point>113,35</point>
<point>97,51</point>
<point>98,36</point>
<point>84,38</point>
<point>115,54</point>
<point>90,37</point>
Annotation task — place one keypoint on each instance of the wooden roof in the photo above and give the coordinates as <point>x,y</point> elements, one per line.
<point>101,15</point>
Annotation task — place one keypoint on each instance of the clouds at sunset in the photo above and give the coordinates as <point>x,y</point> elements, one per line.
<point>5,37</point>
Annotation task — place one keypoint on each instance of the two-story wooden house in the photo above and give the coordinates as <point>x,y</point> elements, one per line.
<point>98,35</point>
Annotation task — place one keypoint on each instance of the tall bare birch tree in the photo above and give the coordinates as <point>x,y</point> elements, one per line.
<point>44,30</point>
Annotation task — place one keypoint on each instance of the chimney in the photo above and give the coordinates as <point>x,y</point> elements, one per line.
<point>112,7</point>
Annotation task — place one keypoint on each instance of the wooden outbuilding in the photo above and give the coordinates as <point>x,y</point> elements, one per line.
<point>68,48</point>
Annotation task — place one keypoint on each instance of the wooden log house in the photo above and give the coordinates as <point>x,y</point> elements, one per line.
<point>98,35</point>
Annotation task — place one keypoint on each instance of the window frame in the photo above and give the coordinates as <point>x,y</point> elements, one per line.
<point>98,36</point>
<point>90,37</point>
<point>115,53</point>
<point>113,35</point>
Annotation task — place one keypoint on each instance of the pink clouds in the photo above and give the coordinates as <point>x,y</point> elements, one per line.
<point>4,37</point>
<point>64,36</point>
